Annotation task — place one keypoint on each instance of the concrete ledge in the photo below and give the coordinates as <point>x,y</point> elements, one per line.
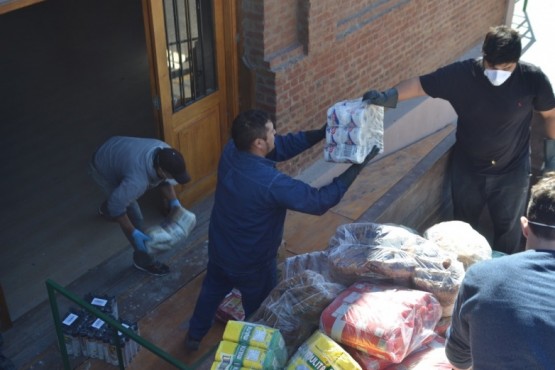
<point>422,197</point>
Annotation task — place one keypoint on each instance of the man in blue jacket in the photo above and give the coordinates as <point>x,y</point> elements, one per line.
<point>247,221</point>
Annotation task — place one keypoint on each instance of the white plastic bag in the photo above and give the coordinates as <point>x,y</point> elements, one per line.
<point>461,240</point>
<point>178,227</point>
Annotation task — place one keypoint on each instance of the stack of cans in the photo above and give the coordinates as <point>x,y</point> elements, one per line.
<point>88,336</point>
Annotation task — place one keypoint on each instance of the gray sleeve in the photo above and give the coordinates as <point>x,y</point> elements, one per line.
<point>127,192</point>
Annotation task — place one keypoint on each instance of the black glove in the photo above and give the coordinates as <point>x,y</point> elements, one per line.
<point>548,155</point>
<point>315,136</point>
<point>349,176</point>
<point>386,98</point>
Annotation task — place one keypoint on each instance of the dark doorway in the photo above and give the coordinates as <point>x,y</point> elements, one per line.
<point>72,72</point>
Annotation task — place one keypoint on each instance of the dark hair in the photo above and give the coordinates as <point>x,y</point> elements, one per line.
<point>249,126</point>
<point>501,45</point>
<point>541,207</point>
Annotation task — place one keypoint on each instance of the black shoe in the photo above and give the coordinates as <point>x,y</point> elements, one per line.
<point>156,268</point>
<point>191,344</point>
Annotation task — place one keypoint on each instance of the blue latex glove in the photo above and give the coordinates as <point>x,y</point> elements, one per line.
<point>139,239</point>
<point>174,203</point>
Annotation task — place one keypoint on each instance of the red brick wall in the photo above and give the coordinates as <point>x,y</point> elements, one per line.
<point>306,55</point>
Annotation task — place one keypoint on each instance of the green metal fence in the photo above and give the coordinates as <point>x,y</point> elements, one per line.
<point>54,288</point>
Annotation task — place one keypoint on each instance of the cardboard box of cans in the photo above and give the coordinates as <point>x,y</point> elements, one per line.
<point>88,336</point>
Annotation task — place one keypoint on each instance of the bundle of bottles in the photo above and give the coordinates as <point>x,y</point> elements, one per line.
<point>88,336</point>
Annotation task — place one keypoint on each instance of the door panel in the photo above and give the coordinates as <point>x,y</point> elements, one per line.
<point>189,77</point>
<point>8,6</point>
<point>201,137</point>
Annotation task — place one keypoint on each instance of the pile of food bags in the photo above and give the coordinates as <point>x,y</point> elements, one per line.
<point>380,293</point>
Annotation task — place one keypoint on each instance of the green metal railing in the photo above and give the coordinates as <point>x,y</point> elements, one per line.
<point>54,288</point>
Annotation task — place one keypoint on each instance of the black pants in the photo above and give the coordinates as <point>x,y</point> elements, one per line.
<point>505,195</point>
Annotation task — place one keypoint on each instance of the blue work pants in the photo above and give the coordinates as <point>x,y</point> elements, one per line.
<point>254,287</point>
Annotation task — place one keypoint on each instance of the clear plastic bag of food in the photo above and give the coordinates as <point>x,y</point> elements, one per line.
<point>460,239</point>
<point>295,304</point>
<point>369,251</point>
<point>441,276</point>
<point>385,321</point>
<point>313,261</point>
<point>430,355</point>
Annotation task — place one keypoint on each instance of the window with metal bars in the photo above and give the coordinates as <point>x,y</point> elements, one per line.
<point>190,50</point>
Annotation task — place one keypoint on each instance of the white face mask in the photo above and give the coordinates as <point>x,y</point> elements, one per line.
<point>496,76</point>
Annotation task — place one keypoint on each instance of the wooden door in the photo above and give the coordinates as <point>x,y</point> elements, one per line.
<point>186,44</point>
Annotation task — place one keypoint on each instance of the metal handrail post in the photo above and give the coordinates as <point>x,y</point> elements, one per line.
<point>118,351</point>
<point>58,324</point>
<point>53,287</point>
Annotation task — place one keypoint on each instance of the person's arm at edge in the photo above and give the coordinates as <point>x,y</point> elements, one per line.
<point>409,89</point>
<point>125,224</point>
<point>549,119</point>
<point>549,142</point>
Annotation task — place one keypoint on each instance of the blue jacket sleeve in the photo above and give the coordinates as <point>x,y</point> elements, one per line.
<point>299,196</point>
<point>288,146</point>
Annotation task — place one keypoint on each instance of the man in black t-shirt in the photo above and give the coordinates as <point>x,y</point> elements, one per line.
<point>494,97</point>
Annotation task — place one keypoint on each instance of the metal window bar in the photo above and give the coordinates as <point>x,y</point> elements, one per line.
<point>189,37</point>
<point>200,52</point>
<point>189,46</point>
<point>185,67</point>
<point>53,288</point>
<point>182,71</point>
